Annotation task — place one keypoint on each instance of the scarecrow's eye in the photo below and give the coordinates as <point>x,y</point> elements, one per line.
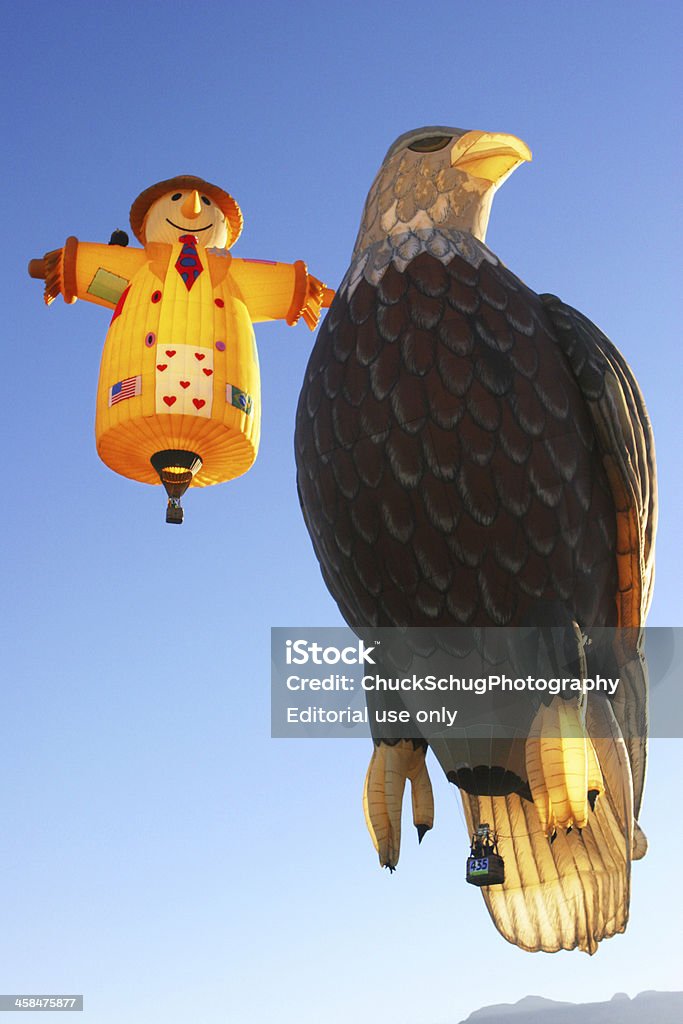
<point>207,202</point>
<point>176,197</point>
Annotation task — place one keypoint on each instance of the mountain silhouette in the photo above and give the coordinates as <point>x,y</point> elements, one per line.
<point>645,1008</point>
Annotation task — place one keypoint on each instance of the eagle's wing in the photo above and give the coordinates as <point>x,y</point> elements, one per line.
<point>624,435</point>
<point>574,894</point>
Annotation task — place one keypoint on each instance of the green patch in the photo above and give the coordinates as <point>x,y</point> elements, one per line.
<point>107,286</point>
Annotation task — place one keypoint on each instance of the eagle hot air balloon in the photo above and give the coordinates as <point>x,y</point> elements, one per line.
<point>178,400</point>
<point>472,454</point>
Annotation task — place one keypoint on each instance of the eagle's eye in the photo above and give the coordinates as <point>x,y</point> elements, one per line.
<point>430,144</point>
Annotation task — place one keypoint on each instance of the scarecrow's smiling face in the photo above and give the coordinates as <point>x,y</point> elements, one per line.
<point>187,212</point>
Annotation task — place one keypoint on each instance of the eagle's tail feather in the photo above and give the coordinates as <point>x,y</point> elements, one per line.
<point>575,891</point>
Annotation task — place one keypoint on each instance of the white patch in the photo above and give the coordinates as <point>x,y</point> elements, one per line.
<point>422,221</point>
<point>389,219</point>
<point>184,380</point>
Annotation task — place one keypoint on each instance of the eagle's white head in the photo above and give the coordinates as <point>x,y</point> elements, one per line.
<point>437,177</point>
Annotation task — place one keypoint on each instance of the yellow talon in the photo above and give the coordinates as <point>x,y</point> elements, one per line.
<point>562,767</point>
<point>390,766</point>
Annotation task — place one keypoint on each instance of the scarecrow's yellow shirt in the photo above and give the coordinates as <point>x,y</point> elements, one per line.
<point>180,367</point>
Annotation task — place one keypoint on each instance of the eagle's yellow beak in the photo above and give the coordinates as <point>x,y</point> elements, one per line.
<point>192,206</point>
<point>489,155</point>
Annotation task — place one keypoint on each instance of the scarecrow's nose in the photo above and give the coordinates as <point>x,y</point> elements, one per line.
<point>192,206</point>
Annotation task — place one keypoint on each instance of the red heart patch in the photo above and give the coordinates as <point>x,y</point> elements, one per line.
<point>207,372</point>
<point>184,383</point>
<point>169,399</point>
<point>170,352</point>
<point>198,402</point>
<point>162,366</point>
<point>199,356</point>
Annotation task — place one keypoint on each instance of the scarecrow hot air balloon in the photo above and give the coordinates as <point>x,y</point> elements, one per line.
<point>472,454</point>
<point>178,399</point>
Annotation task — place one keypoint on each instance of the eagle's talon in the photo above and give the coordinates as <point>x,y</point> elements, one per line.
<point>390,766</point>
<point>422,831</point>
<point>562,767</point>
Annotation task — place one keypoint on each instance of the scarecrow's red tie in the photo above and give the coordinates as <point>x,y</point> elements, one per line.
<point>189,265</point>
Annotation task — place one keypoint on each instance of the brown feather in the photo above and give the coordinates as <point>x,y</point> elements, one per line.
<point>468,481</point>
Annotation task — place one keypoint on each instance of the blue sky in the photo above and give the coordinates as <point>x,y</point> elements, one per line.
<point>160,853</point>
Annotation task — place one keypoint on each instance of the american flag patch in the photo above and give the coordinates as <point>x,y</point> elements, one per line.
<point>240,399</point>
<point>127,388</point>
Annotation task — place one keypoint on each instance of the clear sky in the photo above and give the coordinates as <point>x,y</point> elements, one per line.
<point>160,853</point>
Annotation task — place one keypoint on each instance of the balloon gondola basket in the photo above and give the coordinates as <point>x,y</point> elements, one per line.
<point>174,511</point>
<point>485,866</point>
